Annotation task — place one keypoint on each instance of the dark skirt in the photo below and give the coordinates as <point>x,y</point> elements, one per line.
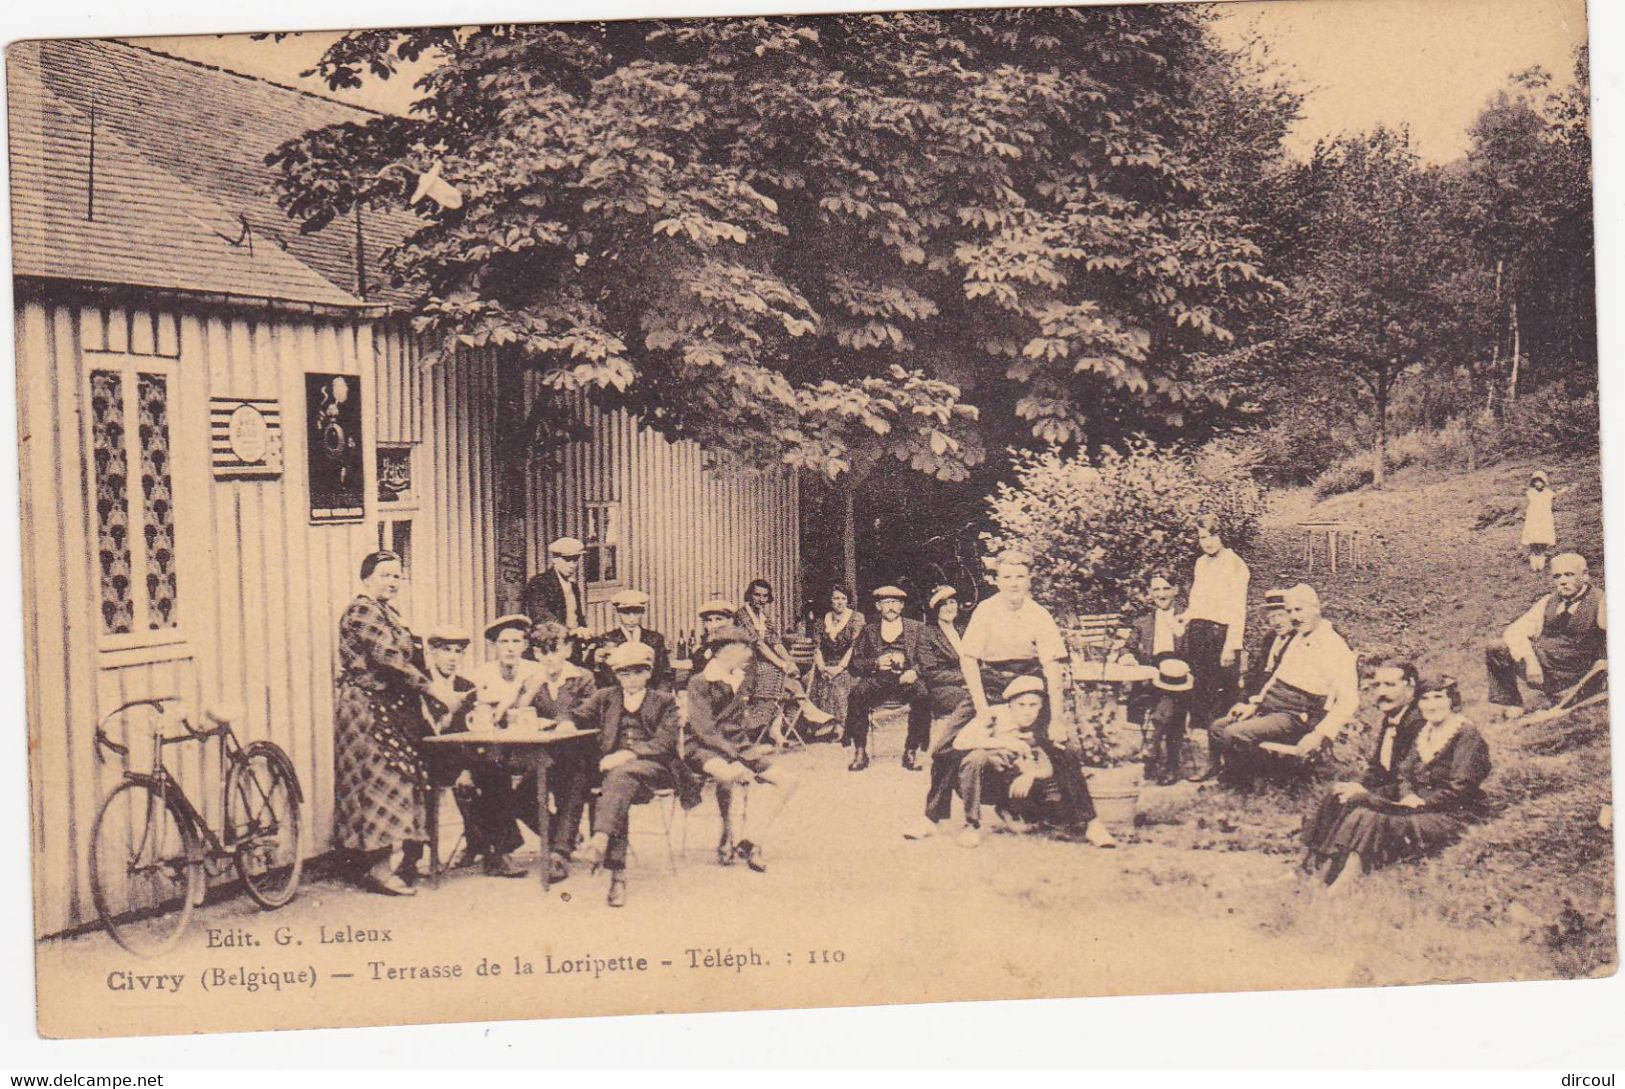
<point>1378,836</point>
<point>830,694</point>
<point>380,780</point>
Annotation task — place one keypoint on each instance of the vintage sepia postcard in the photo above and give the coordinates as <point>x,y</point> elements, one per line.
<point>555,520</point>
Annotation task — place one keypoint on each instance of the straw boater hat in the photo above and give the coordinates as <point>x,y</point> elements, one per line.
<point>630,656</point>
<point>568,547</point>
<point>1173,675</point>
<point>890,593</point>
<point>1022,686</point>
<point>630,599</point>
<point>445,634</point>
<point>941,594</point>
<point>718,606</point>
<point>1274,599</point>
<point>503,623</point>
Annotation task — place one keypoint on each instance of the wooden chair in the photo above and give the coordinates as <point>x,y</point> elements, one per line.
<point>1091,636</point>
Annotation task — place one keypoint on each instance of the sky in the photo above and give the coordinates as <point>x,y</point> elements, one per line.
<point>1426,64</point>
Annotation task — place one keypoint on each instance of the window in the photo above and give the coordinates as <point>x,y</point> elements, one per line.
<point>600,563</point>
<point>138,587</point>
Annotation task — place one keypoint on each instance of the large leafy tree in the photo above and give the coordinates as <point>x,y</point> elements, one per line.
<point>1378,274</point>
<point>769,234</point>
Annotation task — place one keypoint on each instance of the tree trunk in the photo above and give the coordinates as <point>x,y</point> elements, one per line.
<point>1379,467</point>
<point>849,541</point>
<point>1517,351</point>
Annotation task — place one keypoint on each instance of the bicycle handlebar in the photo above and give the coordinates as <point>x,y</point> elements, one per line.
<point>159,705</point>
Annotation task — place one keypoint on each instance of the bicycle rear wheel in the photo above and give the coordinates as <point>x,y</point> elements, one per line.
<point>146,869</point>
<point>262,824</point>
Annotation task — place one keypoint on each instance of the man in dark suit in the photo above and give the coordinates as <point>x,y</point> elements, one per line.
<point>1162,705</point>
<point>886,659</point>
<point>639,754</point>
<point>556,593</point>
<point>1279,624</point>
<point>1158,635</point>
<point>631,606</point>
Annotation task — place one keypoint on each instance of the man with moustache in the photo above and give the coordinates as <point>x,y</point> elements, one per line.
<point>886,659</point>
<point>1393,689</point>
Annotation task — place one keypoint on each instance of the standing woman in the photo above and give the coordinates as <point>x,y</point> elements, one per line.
<point>832,659</point>
<point>377,719</point>
<point>773,666</point>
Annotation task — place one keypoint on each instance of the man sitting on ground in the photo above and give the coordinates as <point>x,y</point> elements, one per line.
<point>1304,704</point>
<point>1009,763</point>
<point>1554,644</point>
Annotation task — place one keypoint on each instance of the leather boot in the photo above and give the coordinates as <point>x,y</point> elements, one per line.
<point>860,758</point>
<point>909,763</point>
<point>617,889</point>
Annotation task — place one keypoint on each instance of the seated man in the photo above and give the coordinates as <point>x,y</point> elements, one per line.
<point>483,787</point>
<point>885,659</point>
<point>1304,704</point>
<point>1554,644</point>
<point>631,606</point>
<point>560,688</point>
<point>638,755</point>
<point>1262,663</point>
<point>715,615</point>
<point>719,745</point>
<point>1008,763</point>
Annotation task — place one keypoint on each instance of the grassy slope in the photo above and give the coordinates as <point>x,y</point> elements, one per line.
<point>1529,894</point>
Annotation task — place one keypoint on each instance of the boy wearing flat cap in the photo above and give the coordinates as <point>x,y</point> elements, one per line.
<point>886,661</point>
<point>631,606</point>
<point>483,788</point>
<point>638,755</point>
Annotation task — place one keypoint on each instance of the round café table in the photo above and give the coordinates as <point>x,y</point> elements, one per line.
<point>524,746</point>
<point>1101,682</point>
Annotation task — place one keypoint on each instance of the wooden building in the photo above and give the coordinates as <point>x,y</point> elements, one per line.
<point>183,355</point>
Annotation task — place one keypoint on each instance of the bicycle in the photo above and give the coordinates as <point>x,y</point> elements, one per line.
<point>151,849</point>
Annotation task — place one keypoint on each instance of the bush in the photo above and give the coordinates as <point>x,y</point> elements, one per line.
<point>1550,422</point>
<point>1097,530</point>
<point>1547,423</point>
<point>1297,446</point>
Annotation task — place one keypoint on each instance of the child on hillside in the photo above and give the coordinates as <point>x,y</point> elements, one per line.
<point>1539,523</point>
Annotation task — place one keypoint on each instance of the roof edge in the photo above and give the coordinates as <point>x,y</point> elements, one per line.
<point>134,43</point>
<point>33,285</point>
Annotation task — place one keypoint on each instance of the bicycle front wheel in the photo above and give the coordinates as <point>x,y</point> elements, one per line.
<point>146,869</point>
<point>262,824</point>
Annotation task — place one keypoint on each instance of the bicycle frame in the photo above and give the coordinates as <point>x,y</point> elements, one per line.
<point>231,754</point>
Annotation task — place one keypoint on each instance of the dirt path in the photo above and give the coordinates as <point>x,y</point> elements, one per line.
<point>1021,916</point>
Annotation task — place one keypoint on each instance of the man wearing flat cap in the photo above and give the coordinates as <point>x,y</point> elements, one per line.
<point>483,788</point>
<point>886,661</point>
<point>631,606</point>
<point>715,614</point>
<point>556,593</point>
<point>720,746</point>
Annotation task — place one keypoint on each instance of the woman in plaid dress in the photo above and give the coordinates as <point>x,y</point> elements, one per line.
<point>378,719</point>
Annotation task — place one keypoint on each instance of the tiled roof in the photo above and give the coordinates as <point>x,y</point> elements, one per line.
<point>178,171</point>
